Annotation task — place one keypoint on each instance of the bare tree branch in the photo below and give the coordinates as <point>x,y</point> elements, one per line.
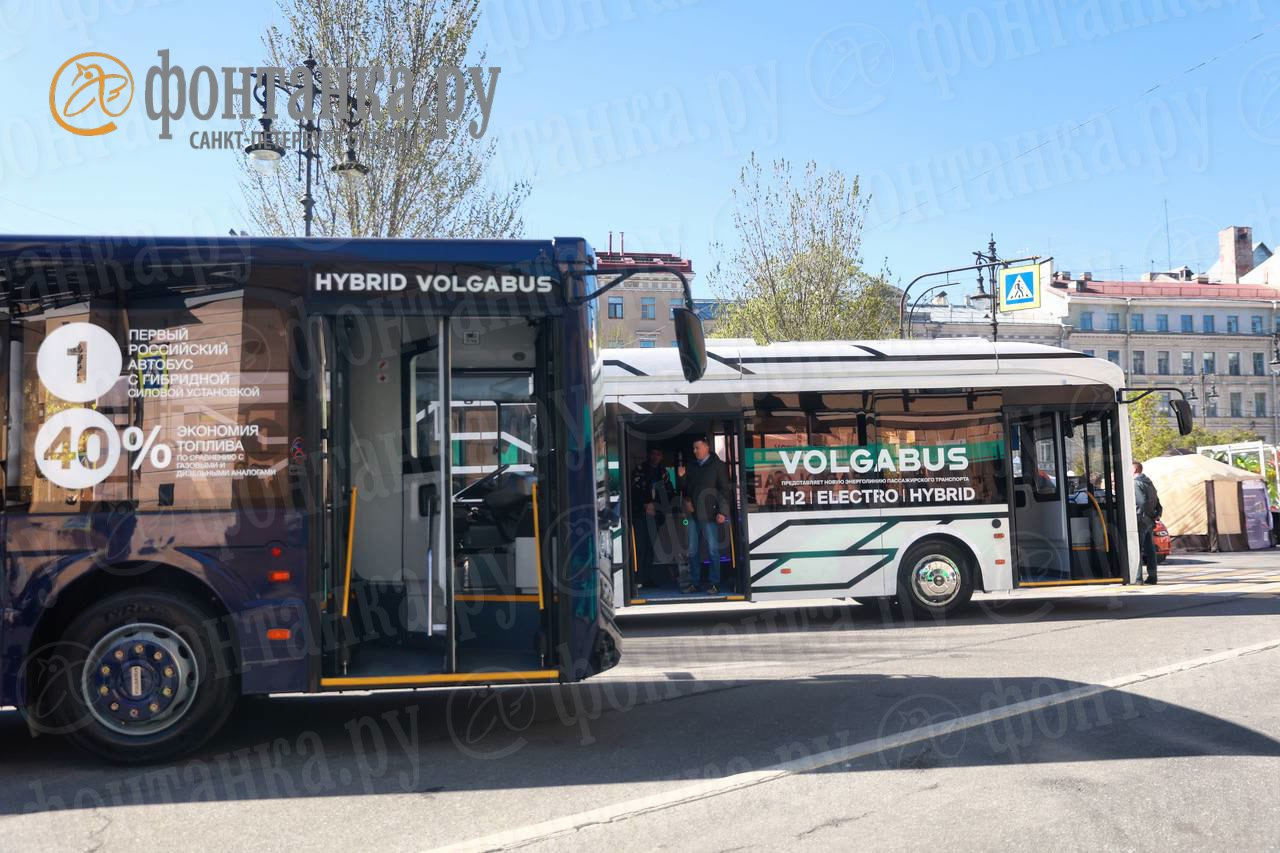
<point>418,185</point>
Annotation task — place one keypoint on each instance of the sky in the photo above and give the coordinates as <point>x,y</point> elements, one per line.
<point>1062,127</point>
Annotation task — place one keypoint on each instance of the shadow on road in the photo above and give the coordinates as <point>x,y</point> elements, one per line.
<point>612,731</point>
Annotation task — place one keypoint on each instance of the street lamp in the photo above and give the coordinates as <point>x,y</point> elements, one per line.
<point>980,295</point>
<point>1208,392</point>
<point>266,154</point>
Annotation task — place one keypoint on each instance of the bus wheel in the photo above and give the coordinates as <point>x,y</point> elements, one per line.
<point>139,680</point>
<point>935,578</point>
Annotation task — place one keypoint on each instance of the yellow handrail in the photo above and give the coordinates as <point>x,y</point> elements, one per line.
<point>351,538</point>
<point>1102,521</point>
<point>537,547</point>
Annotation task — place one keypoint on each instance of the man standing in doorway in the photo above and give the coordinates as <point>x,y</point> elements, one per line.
<point>1148,506</point>
<point>651,492</point>
<point>705,486</point>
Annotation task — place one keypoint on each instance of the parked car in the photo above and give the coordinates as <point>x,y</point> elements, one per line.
<point>1163,543</point>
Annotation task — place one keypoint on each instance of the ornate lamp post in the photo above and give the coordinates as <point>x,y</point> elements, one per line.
<point>268,153</point>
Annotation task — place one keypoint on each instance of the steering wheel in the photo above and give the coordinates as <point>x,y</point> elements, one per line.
<point>485,480</point>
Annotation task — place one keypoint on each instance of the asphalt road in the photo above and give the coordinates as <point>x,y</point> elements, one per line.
<point>1138,718</point>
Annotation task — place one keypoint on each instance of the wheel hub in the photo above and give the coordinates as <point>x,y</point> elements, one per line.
<point>937,579</point>
<point>139,679</point>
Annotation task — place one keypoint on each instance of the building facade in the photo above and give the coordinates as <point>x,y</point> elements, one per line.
<point>1213,335</point>
<point>637,313</point>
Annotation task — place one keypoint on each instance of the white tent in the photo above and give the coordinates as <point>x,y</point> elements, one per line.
<point>1209,505</point>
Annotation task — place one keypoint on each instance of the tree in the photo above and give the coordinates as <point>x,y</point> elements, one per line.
<point>796,271</point>
<point>1201,436</point>
<point>417,185</point>
<point>1151,432</point>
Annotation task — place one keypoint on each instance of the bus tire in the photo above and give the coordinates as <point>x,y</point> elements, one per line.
<point>138,679</point>
<point>935,578</point>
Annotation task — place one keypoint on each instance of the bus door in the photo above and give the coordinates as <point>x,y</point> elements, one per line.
<point>10,429</point>
<point>1096,527</point>
<point>727,442</point>
<point>435,424</point>
<point>656,544</point>
<point>1040,530</point>
<point>386,589</point>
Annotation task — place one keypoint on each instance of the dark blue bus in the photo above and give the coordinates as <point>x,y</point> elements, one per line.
<point>247,466</point>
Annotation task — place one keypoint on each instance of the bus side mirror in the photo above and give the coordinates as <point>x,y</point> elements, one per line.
<point>1182,413</point>
<point>691,343</point>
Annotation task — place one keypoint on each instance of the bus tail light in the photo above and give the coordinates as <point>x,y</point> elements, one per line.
<point>279,633</point>
<point>279,576</point>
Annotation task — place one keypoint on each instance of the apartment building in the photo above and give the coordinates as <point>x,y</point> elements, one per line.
<point>1213,335</point>
<point>637,313</point>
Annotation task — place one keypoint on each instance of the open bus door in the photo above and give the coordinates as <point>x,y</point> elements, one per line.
<point>11,427</point>
<point>656,545</point>
<point>1067,495</point>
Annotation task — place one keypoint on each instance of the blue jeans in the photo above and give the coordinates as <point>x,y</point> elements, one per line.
<point>699,532</point>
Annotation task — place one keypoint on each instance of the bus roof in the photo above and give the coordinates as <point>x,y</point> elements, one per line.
<point>815,365</point>
<point>62,267</point>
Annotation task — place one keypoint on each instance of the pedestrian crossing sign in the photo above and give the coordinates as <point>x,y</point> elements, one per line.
<point>1019,288</point>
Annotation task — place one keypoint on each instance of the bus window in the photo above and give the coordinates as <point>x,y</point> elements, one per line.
<point>960,442</point>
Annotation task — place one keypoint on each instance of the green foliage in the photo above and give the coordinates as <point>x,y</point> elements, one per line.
<point>1151,433</point>
<point>1201,436</point>
<point>796,272</point>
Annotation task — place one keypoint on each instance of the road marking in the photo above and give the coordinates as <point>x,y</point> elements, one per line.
<point>548,829</point>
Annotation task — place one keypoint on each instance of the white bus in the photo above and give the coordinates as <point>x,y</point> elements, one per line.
<point>919,471</point>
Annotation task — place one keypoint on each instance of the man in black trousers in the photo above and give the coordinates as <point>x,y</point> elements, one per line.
<point>651,493</point>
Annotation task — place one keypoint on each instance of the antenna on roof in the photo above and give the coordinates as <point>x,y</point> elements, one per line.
<point>1168,245</point>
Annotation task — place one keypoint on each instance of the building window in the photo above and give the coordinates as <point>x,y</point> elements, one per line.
<point>1207,324</point>
<point>648,308</point>
<point>647,343</point>
<point>1162,322</point>
<point>1139,362</point>
<point>1137,323</point>
<point>1233,324</point>
<point>1210,363</point>
<point>1188,364</point>
<point>1257,324</point>
<point>1088,352</point>
<point>1260,404</point>
<point>1113,322</point>
<point>1233,363</point>
<point>675,304</point>
<point>1188,323</point>
<point>1113,356</point>
<point>1086,321</point>
<point>1162,362</point>
<point>615,307</point>
<point>1237,405</point>
<point>1211,407</point>
<point>1259,364</point>
<point>675,343</point>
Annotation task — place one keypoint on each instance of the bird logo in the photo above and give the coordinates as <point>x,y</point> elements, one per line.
<point>89,92</point>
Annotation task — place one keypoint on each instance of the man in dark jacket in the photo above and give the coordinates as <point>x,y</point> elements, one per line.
<point>1148,506</point>
<point>705,486</point>
<point>651,493</point>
